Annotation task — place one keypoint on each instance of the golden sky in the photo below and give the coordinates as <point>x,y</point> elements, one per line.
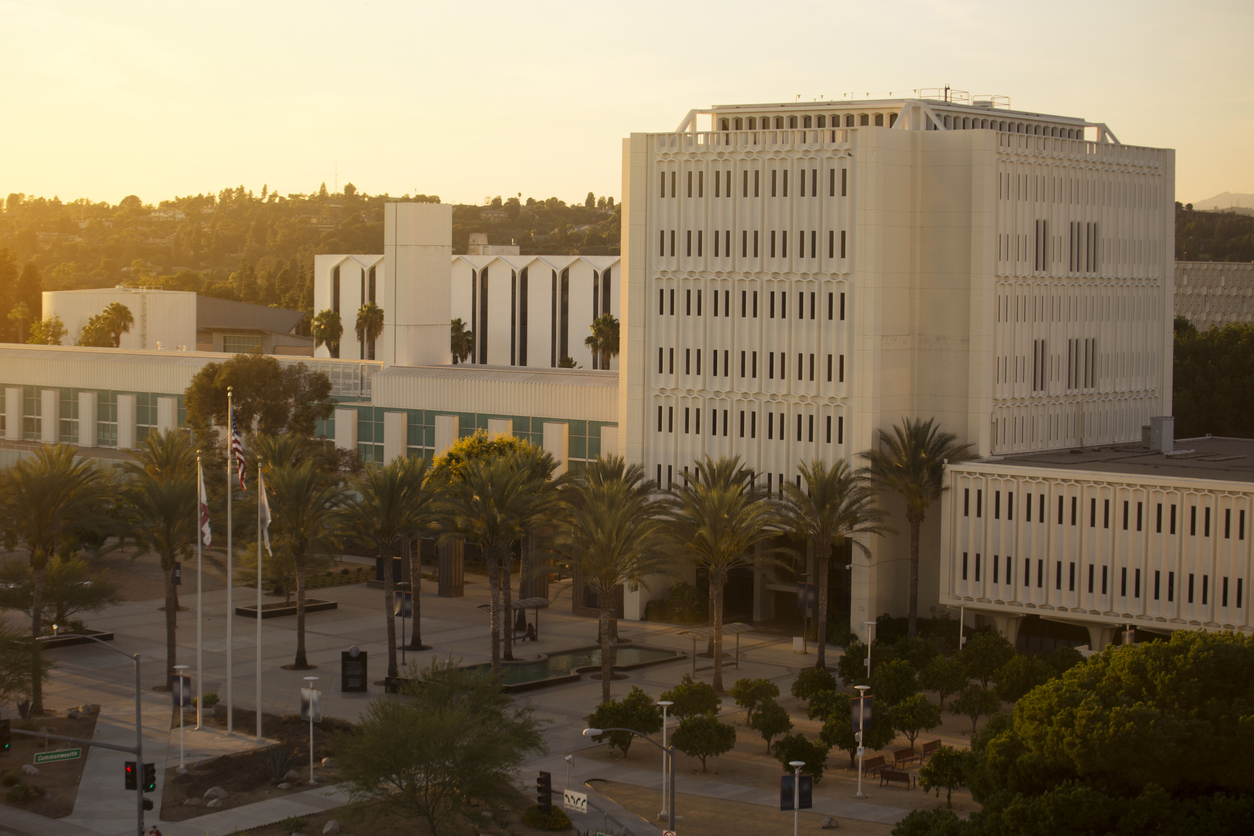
<point>471,100</point>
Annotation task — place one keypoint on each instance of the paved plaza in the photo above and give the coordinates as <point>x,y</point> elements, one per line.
<point>456,628</point>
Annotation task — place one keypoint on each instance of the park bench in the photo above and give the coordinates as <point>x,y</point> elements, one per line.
<point>905,757</point>
<point>871,766</point>
<point>930,748</point>
<point>896,776</point>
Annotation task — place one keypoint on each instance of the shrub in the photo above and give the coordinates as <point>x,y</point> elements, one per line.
<point>812,681</point>
<point>929,823</point>
<point>634,711</point>
<point>211,699</point>
<point>702,735</point>
<point>683,604</point>
<point>797,747</point>
<point>692,698</point>
<point>292,823</point>
<point>10,777</point>
<point>771,721</point>
<point>21,793</point>
<point>555,819</point>
<point>277,761</point>
<point>751,693</point>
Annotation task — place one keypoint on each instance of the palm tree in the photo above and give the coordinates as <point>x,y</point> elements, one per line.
<point>305,500</point>
<point>911,463</point>
<point>604,340</point>
<point>613,535</point>
<point>393,503</point>
<point>369,327</point>
<point>836,504</point>
<point>545,505</point>
<point>718,520</point>
<point>327,330</point>
<point>50,503</point>
<point>461,341</point>
<point>118,319</point>
<point>160,514</point>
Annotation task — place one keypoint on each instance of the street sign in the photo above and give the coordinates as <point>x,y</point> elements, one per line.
<point>576,801</point>
<point>59,755</point>
<point>668,833</point>
<point>176,572</point>
<point>353,671</point>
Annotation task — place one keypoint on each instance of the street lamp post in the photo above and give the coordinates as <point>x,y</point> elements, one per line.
<point>862,689</point>
<point>311,680</point>
<point>670,815</point>
<point>179,699</point>
<point>796,791</point>
<point>666,704</point>
<point>139,726</point>
<point>869,625</point>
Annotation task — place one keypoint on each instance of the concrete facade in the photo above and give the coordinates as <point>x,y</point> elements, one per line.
<point>1214,293</point>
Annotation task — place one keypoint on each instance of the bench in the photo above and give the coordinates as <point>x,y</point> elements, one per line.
<point>930,748</point>
<point>905,757</point>
<point>896,776</point>
<point>871,766</point>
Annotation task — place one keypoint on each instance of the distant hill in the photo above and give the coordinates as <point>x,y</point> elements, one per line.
<point>1213,235</point>
<point>1227,200</point>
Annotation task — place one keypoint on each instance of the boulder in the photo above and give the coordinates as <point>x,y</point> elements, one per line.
<point>829,823</point>
<point>217,802</point>
<point>87,708</point>
<point>27,769</point>
<point>327,763</point>
<point>292,775</point>
<point>194,802</point>
<point>330,828</point>
<point>285,786</point>
<point>216,793</point>
<point>74,714</point>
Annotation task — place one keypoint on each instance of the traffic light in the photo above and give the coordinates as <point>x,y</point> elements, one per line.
<point>150,777</point>
<point>132,779</point>
<point>6,736</point>
<point>544,792</point>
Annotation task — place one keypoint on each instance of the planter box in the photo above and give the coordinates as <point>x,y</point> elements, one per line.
<point>279,609</point>
<point>70,641</point>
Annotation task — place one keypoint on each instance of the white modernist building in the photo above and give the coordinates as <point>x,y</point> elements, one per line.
<point>1214,292</point>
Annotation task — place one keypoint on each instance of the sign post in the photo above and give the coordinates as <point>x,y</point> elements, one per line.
<point>353,664</point>
<point>577,801</point>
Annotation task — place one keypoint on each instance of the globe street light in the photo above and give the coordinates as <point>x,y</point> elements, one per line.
<point>670,815</point>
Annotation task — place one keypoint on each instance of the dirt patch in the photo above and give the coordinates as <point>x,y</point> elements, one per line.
<point>59,780</point>
<point>246,776</point>
<point>700,816</point>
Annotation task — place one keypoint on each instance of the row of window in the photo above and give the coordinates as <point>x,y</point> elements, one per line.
<point>368,286</point>
<point>1105,514</point>
<point>749,364</point>
<point>753,123</point>
<point>774,482</point>
<point>1083,245</point>
<point>748,310</point>
<point>776,246</point>
<point>722,181</point>
<point>775,429</point>
<point>1114,190</point>
<point>1192,586</point>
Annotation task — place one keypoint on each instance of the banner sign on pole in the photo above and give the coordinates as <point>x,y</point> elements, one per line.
<point>313,695</point>
<point>805,793</point>
<point>403,605</point>
<point>785,791</point>
<point>181,690</point>
<point>861,706</point>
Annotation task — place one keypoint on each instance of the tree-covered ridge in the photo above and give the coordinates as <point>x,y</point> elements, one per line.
<point>1213,236</point>
<point>251,247</point>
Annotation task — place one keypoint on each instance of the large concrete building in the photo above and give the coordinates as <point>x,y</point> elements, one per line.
<point>1214,293</point>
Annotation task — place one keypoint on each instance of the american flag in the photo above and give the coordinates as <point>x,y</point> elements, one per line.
<point>237,445</point>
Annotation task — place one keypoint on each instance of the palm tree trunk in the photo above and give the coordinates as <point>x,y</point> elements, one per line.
<point>507,560</point>
<point>389,596</point>
<point>494,614</point>
<point>822,557</point>
<point>302,661</point>
<point>526,572</point>
<point>718,634</point>
<point>915,525</point>
<point>607,658</point>
<point>171,619</point>
<point>36,628</point>
<point>415,586</point>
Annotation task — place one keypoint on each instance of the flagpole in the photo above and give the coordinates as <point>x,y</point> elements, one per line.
<point>200,678</point>
<point>261,493</point>
<point>230,604</point>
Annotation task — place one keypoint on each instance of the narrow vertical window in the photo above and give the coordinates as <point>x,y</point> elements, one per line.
<point>842,243</point>
<point>844,182</point>
<point>840,429</point>
<point>842,307</point>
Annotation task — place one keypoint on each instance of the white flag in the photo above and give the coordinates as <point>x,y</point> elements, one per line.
<point>204,507</point>
<point>264,510</point>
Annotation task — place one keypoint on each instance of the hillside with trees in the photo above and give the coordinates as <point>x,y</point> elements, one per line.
<point>1213,236</point>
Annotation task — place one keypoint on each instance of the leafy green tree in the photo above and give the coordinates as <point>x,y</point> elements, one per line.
<point>96,333</point>
<point>461,341</point>
<point>840,731</point>
<point>749,694</point>
<point>919,651</point>
<point>50,504</point>
<point>771,721</point>
<point>851,666</point>
<point>984,655</point>
<point>835,506</point>
<point>945,675</point>
<point>1213,383</point>
<point>974,702</point>
<point>71,587</point>
<point>276,399</point>
<point>159,509</point>
<point>635,711</point>
<point>611,536</point>
<point>798,747</point>
<point>50,331</point>
<point>893,681</point>
<point>19,316</point>
<point>913,715</point>
<point>388,505</point>
<point>929,823</point>
<point>1021,674</point>
<point>720,520</point>
<point>20,661</point>
<point>702,736</point>
<point>452,741</point>
<point>910,462</point>
<point>369,327</point>
<point>603,341</point>
<point>566,362</point>
<point>691,698</point>
<point>946,769</point>
<point>305,504</point>
<point>328,330</point>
